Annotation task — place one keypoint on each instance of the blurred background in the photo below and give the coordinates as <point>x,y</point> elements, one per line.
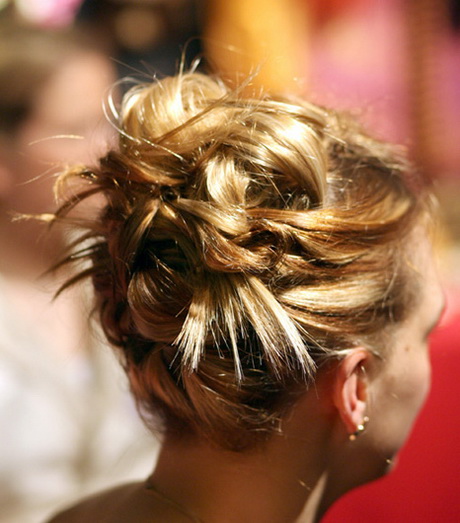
<point>67,423</point>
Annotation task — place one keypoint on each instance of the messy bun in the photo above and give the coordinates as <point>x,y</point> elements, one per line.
<point>243,243</point>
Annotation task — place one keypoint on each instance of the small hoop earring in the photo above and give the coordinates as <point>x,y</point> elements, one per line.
<point>360,429</point>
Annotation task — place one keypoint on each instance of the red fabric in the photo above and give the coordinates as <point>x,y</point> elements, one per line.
<point>425,486</point>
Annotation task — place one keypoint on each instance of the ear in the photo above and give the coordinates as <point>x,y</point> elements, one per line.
<point>350,389</point>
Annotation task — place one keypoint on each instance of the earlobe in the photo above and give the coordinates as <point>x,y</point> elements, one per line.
<point>350,390</point>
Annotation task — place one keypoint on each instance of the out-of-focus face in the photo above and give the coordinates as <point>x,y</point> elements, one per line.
<point>399,390</point>
<point>66,126</point>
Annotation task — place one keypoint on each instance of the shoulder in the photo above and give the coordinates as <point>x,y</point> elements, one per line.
<point>104,507</point>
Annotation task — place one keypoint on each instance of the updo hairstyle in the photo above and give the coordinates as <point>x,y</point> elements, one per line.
<point>242,244</point>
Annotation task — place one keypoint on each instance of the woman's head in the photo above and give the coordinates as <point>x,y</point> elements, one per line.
<point>245,243</point>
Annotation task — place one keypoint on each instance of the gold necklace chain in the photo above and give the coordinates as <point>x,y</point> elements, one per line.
<point>150,487</point>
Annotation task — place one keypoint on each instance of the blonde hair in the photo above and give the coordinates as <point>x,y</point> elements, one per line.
<point>243,242</point>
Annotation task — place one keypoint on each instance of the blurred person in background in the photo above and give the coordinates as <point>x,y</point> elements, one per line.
<point>147,37</point>
<point>67,426</point>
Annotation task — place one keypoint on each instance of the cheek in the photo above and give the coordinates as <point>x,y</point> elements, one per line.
<point>426,379</point>
<point>416,381</point>
<point>414,385</point>
<point>402,394</point>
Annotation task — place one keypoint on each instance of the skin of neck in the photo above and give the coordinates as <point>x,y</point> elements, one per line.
<point>294,476</point>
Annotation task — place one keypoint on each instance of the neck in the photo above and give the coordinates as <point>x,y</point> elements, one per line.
<point>288,479</point>
<point>220,486</point>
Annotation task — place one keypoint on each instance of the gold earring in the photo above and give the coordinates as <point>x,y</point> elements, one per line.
<point>360,429</point>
